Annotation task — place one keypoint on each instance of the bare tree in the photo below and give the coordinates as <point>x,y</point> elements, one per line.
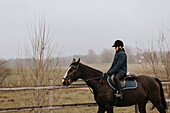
<point>150,59</point>
<point>4,71</point>
<point>164,53</point>
<point>43,67</point>
<point>156,58</point>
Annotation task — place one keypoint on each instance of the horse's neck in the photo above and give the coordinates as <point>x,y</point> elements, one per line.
<point>89,74</point>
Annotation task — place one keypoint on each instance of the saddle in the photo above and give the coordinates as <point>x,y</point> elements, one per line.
<point>122,81</point>
<point>127,82</point>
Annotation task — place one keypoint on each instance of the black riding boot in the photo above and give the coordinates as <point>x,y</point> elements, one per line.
<point>117,81</point>
<point>119,88</point>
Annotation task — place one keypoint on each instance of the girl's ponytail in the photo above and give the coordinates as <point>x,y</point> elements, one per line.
<point>123,49</point>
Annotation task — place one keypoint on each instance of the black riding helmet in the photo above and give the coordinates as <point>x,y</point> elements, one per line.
<point>118,43</point>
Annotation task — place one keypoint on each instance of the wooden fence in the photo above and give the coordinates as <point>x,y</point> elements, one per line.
<point>51,107</point>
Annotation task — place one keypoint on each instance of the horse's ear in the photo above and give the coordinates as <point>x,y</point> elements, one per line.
<point>78,60</point>
<point>74,60</point>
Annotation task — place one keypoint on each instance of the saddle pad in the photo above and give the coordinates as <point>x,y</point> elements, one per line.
<point>129,84</point>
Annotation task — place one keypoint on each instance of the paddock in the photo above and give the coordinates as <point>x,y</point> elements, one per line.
<point>52,105</point>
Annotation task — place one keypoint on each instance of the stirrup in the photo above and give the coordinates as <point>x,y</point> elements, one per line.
<point>119,95</point>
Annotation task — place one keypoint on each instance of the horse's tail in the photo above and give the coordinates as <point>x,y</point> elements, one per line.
<point>162,93</point>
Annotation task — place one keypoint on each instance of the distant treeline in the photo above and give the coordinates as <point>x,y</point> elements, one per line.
<point>106,56</point>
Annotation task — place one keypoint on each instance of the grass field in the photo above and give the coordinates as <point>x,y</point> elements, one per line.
<point>10,99</point>
<point>70,96</point>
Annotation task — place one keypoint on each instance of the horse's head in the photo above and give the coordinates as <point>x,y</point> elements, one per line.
<point>72,74</point>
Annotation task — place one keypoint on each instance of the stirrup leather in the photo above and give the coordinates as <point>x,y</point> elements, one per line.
<point>120,95</point>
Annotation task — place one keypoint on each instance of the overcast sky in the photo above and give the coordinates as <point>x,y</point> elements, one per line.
<point>81,25</point>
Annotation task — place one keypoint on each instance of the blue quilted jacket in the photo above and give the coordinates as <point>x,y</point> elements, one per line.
<point>119,63</point>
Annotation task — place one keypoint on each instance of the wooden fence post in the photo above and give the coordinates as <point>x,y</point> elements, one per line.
<point>167,87</point>
<point>51,96</point>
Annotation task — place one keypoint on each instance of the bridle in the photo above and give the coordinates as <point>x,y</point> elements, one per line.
<point>70,78</point>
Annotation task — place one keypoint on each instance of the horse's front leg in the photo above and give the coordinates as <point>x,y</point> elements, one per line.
<point>101,109</point>
<point>109,109</point>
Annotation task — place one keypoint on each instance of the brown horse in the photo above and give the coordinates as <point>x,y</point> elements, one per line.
<point>149,89</point>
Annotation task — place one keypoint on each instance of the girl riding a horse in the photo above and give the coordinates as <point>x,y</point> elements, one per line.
<point>119,66</point>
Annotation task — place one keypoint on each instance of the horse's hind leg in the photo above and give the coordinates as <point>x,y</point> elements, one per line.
<point>158,104</point>
<point>160,107</point>
<point>142,107</point>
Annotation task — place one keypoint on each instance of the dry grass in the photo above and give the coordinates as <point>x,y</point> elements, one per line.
<point>69,96</point>
<point>16,98</point>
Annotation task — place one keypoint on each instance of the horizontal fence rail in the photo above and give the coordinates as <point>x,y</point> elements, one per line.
<point>44,87</point>
<point>51,87</point>
<point>52,107</point>
<point>56,87</point>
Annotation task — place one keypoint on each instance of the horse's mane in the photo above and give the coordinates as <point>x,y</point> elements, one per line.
<point>98,71</point>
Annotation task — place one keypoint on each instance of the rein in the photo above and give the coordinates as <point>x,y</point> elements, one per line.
<point>85,80</point>
<point>89,79</point>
